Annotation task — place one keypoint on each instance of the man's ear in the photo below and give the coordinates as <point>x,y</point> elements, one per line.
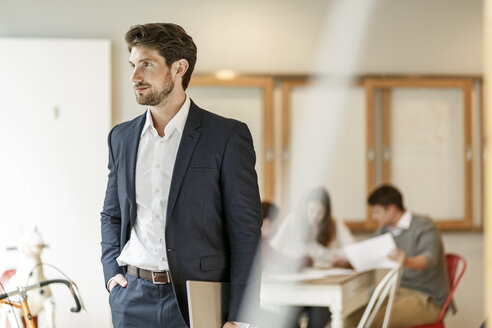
<point>394,209</point>
<point>181,66</point>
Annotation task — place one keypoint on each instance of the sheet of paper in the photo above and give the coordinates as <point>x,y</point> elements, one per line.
<point>371,253</point>
<point>309,274</point>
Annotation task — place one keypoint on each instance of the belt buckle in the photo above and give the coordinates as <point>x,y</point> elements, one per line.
<point>159,282</point>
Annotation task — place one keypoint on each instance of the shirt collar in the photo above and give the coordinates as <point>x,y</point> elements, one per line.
<point>149,124</point>
<point>178,121</point>
<point>402,224</point>
<point>405,220</point>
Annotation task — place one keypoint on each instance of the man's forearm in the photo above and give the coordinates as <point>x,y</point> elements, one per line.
<point>418,262</point>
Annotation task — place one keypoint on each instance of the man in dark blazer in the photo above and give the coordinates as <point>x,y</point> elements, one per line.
<point>182,200</point>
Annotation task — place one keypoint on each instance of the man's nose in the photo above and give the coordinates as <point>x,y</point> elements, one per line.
<point>136,77</point>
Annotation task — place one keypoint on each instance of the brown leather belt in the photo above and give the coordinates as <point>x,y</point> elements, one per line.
<point>157,277</point>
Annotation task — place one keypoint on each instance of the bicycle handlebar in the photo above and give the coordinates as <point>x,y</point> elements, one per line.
<point>68,283</point>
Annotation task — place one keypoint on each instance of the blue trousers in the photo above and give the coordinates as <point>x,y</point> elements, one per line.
<point>143,304</point>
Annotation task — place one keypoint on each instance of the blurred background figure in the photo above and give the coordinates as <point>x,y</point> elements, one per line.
<point>270,213</point>
<point>313,234</point>
<point>315,239</point>
<point>424,284</point>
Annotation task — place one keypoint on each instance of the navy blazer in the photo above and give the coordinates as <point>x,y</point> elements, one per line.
<point>213,224</point>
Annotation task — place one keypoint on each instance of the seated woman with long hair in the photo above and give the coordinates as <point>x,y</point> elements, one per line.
<point>314,238</point>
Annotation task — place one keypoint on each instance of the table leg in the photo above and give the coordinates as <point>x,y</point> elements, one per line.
<point>336,319</point>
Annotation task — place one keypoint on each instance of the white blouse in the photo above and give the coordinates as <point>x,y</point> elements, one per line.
<point>290,241</point>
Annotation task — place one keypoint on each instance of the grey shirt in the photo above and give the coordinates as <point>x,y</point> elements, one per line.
<point>422,238</point>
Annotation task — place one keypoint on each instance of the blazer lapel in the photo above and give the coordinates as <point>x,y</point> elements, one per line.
<point>131,149</point>
<point>187,145</point>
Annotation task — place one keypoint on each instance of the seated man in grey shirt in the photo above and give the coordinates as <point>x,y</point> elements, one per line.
<point>424,283</point>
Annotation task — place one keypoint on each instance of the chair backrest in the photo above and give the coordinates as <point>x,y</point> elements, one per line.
<point>453,264</point>
<point>385,288</point>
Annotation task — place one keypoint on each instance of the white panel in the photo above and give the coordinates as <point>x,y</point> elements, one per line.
<point>281,191</point>
<point>470,293</point>
<point>427,150</point>
<point>328,148</point>
<point>478,155</point>
<point>241,103</point>
<point>55,109</point>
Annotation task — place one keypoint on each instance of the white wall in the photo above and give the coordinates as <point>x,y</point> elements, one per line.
<point>419,36</point>
<point>469,296</point>
<point>55,115</point>
<point>278,36</point>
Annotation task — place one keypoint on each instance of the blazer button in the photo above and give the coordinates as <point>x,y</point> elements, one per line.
<point>170,249</point>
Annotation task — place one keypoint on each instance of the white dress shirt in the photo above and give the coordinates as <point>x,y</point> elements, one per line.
<point>146,248</point>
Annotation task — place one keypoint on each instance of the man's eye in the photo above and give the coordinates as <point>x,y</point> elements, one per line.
<point>146,64</point>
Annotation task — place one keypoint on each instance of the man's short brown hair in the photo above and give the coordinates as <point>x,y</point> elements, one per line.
<point>386,195</point>
<point>171,40</point>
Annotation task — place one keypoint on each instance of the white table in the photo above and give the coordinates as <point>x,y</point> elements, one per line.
<point>342,294</point>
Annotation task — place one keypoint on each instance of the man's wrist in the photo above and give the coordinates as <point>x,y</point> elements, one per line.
<point>109,284</point>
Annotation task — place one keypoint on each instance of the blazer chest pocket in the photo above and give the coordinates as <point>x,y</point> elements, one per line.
<point>200,162</point>
<point>203,177</point>
<point>202,169</point>
<point>213,262</point>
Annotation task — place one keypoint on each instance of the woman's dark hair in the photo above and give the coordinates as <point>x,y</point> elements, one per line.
<point>171,40</point>
<point>269,211</point>
<point>386,195</point>
<point>326,228</point>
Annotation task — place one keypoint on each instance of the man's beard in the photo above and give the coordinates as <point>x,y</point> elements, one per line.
<point>155,98</point>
